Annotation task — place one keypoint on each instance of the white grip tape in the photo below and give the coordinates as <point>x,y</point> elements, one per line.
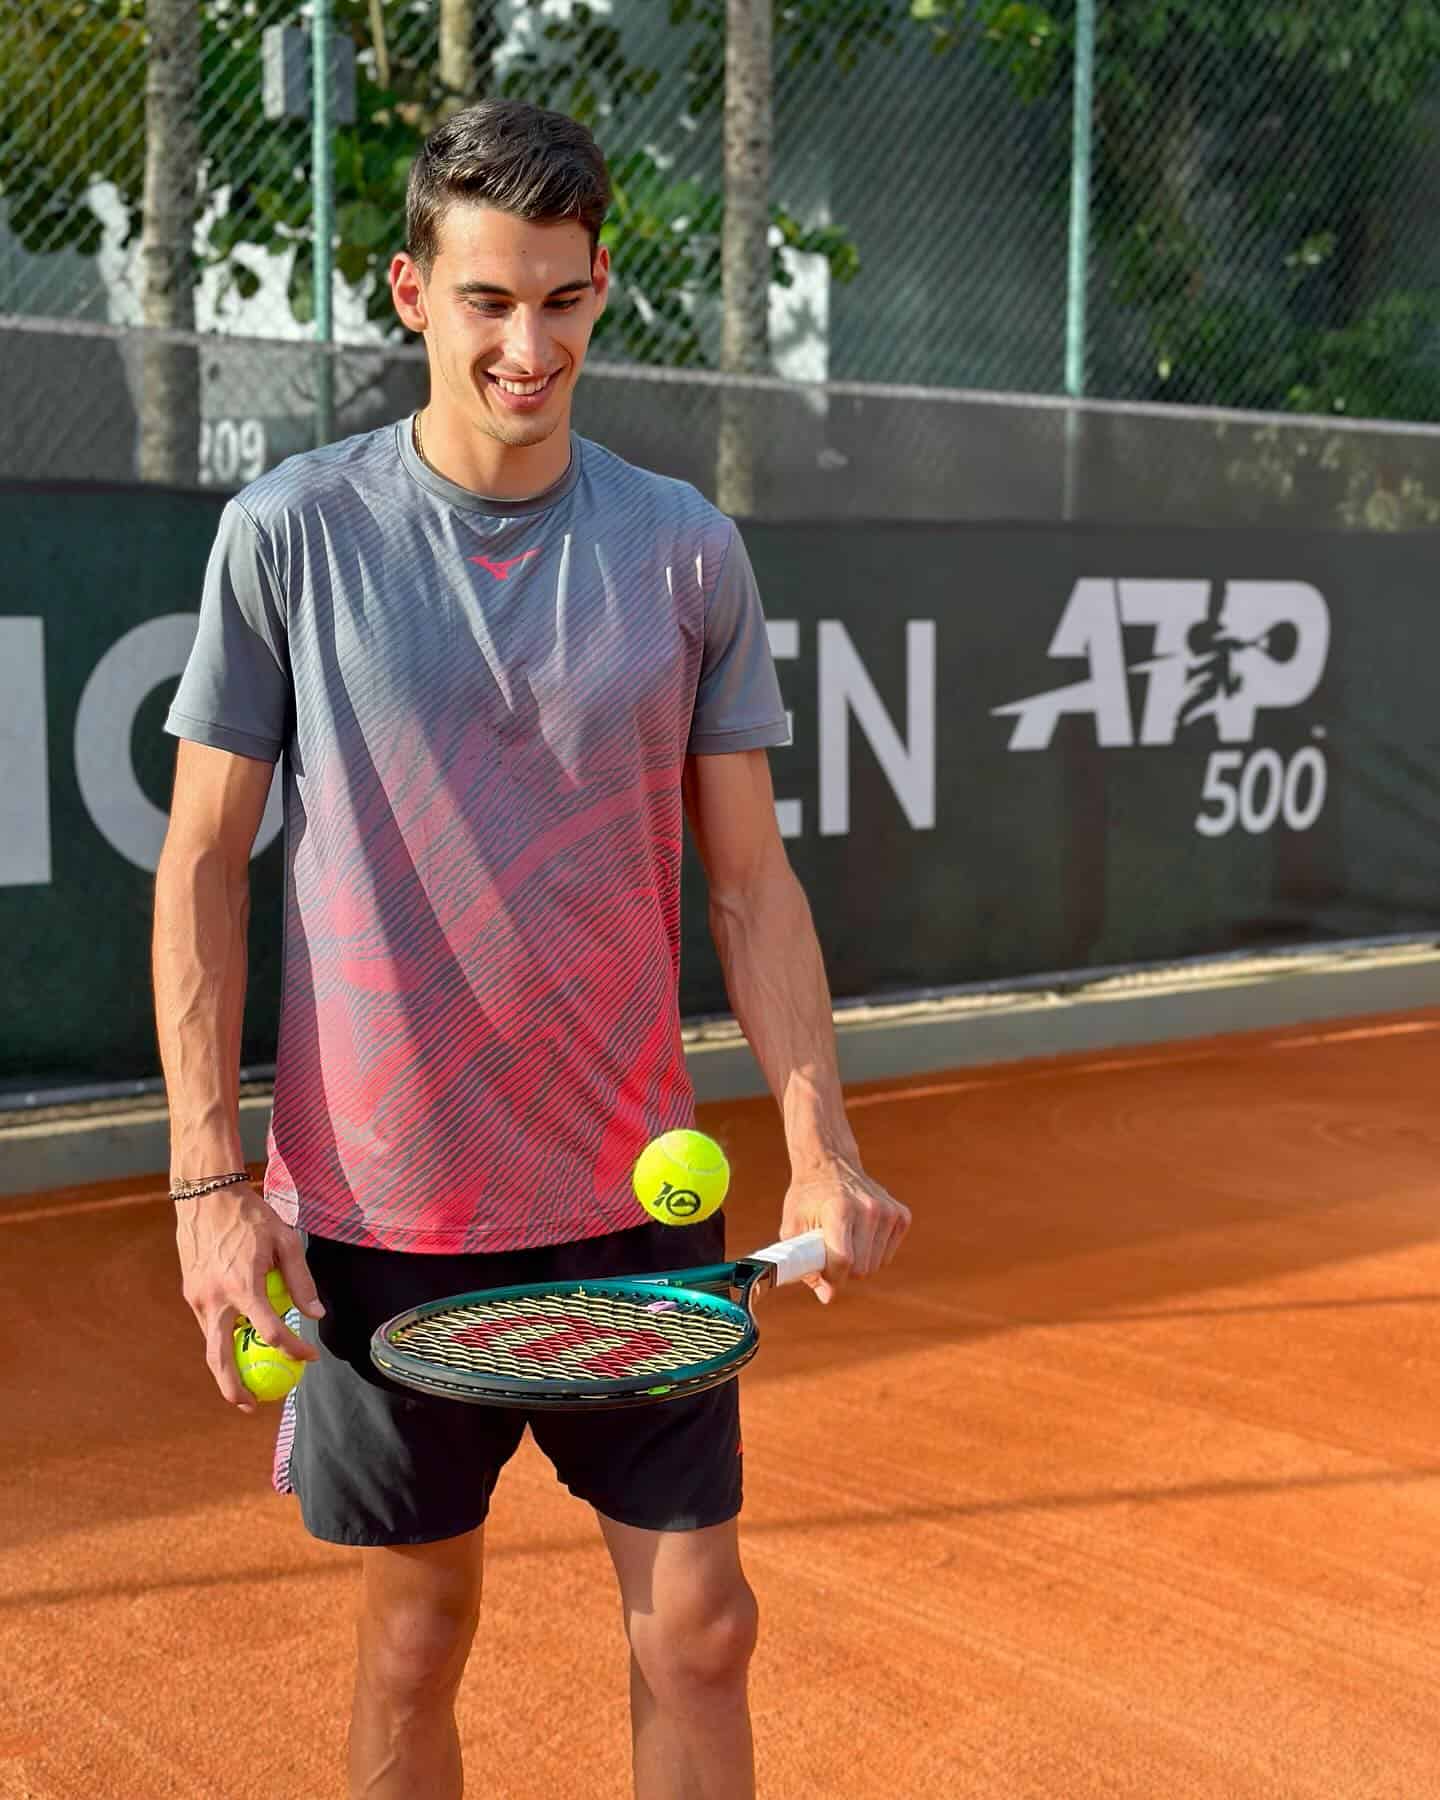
<point>794,1257</point>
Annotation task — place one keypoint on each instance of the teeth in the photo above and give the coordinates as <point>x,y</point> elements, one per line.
<point>521,387</point>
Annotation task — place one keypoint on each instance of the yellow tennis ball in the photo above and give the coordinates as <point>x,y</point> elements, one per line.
<point>277,1293</point>
<point>681,1177</point>
<point>268,1373</point>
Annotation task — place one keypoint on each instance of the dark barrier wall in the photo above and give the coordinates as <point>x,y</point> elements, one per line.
<point>1148,744</point>
<point>1017,749</point>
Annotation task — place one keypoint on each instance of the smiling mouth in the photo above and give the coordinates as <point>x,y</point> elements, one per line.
<point>522,390</point>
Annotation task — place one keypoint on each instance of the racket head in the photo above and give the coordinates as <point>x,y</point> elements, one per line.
<point>578,1346</point>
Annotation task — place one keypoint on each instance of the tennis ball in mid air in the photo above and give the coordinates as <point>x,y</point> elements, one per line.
<point>268,1373</point>
<point>681,1178</point>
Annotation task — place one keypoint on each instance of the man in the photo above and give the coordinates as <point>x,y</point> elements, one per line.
<point>501,664</point>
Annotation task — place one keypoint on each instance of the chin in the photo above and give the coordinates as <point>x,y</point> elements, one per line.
<point>522,434</point>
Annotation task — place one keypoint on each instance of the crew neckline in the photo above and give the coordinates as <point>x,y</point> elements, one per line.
<point>454,495</point>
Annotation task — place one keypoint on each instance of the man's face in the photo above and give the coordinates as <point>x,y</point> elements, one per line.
<point>507,312</point>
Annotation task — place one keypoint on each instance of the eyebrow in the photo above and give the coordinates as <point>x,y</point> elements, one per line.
<point>466,289</point>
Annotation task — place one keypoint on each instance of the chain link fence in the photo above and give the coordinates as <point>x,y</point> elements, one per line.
<point>1262,180</point>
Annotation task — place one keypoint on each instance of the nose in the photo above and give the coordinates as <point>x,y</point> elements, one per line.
<point>527,341</point>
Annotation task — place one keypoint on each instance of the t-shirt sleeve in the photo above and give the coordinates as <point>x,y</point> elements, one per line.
<point>738,704</point>
<point>235,691</point>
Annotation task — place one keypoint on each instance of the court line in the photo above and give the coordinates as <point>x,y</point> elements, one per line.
<point>1114,1064</point>
<point>966,1315</point>
<point>33,1215</point>
<point>931,1091</point>
<point>1402,1028</point>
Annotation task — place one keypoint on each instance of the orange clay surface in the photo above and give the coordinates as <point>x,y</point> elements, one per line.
<point>1123,1481</point>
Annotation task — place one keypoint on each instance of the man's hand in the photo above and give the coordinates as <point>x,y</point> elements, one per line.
<point>228,1241</point>
<point>863,1225</point>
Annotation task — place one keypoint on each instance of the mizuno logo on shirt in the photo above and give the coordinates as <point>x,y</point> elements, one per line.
<point>500,570</point>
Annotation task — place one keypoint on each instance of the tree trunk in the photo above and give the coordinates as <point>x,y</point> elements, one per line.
<point>170,372</point>
<point>457,55</point>
<point>745,247</point>
<point>380,42</point>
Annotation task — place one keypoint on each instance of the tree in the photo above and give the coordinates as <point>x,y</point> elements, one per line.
<point>691,252</point>
<point>253,187</point>
<point>170,373</point>
<point>666,231</point>
<point>745,253</point>
<point>457,53</point>
<point>468,38</point>
<point>679,245</point>
<point>46,164</point>
<point>1246,157</point>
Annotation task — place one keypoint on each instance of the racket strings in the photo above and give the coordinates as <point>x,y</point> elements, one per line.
<point>575,1336</point>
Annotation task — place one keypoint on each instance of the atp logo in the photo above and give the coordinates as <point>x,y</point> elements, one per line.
<point>1221,655</point>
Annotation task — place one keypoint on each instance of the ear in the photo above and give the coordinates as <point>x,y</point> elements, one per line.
<point>407,291</point>
<point>600,276</point>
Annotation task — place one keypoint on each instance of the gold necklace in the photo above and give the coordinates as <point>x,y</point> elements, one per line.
<point>419,449</point>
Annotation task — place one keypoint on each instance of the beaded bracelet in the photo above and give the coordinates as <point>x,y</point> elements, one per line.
<point>192,1190</point>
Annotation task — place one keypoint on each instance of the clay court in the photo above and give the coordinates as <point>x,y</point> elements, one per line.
<point>1124,1481</point>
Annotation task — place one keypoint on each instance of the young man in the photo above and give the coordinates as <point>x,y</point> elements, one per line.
<point>501,664</point>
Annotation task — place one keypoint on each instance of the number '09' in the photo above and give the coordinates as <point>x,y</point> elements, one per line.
<point>231,450</point>
<point>1267,789</point>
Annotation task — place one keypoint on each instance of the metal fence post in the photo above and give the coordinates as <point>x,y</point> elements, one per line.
<point>1082,139</point>
<point>323,178</point>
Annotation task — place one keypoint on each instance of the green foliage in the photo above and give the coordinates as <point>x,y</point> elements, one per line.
<point>56,138</point>
<point>1382,366</point>
<point>670,230</point>
<point>663,232</point>
<point>1028,42</point>
<point>582,69</point>
<point>1245,153</point>
<point>807,33</point>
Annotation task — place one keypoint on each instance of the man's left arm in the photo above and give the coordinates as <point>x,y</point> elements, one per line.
<point>775,976</point>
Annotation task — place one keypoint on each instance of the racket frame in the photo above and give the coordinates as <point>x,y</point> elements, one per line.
<point>726,1290</point>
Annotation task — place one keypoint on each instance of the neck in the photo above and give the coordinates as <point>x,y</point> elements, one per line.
<point>484,465</point>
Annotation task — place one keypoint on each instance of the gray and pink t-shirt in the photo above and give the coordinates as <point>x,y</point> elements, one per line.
<point>485,709</point>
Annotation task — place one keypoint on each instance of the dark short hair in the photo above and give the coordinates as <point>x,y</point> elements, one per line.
<point>507,154</point>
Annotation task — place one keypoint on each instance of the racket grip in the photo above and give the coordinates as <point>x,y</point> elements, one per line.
<point>795,1257</point>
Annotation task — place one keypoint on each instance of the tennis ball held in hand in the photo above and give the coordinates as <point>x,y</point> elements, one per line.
<point>268,1373</point>
<point>681,1178</point>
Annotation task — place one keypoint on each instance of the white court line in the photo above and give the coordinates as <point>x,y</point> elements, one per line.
<point>1114,1064</point>
<point>1405,1029</point>
<point>932,1091</point>
<point>33,1214</point>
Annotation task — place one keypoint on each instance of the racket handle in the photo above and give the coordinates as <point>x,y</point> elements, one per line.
<point>794,1257</point>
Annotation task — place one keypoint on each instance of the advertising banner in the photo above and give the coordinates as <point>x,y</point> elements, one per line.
<point>1017,750</point>
<point>1047,748</point>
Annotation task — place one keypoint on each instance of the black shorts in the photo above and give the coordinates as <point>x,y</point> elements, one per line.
<point>376,1463</point>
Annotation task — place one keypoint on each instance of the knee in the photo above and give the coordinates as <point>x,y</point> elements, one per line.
<point>415,1653</point>
<point>697,1648</point>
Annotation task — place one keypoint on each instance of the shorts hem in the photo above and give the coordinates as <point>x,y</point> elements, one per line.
<point>352,1540</point>
<point>701,1521</point>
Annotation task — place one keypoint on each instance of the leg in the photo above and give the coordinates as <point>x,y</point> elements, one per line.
<point>418,1614</point>
<point>666,1483</point>
<point>691,1618</point>
<point>408,1481</point>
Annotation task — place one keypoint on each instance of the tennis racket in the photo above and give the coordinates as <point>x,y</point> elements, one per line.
<point>577,1346</point>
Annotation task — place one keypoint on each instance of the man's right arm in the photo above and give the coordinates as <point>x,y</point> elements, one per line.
<point>202,912</point>
<point>230,1238</point>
